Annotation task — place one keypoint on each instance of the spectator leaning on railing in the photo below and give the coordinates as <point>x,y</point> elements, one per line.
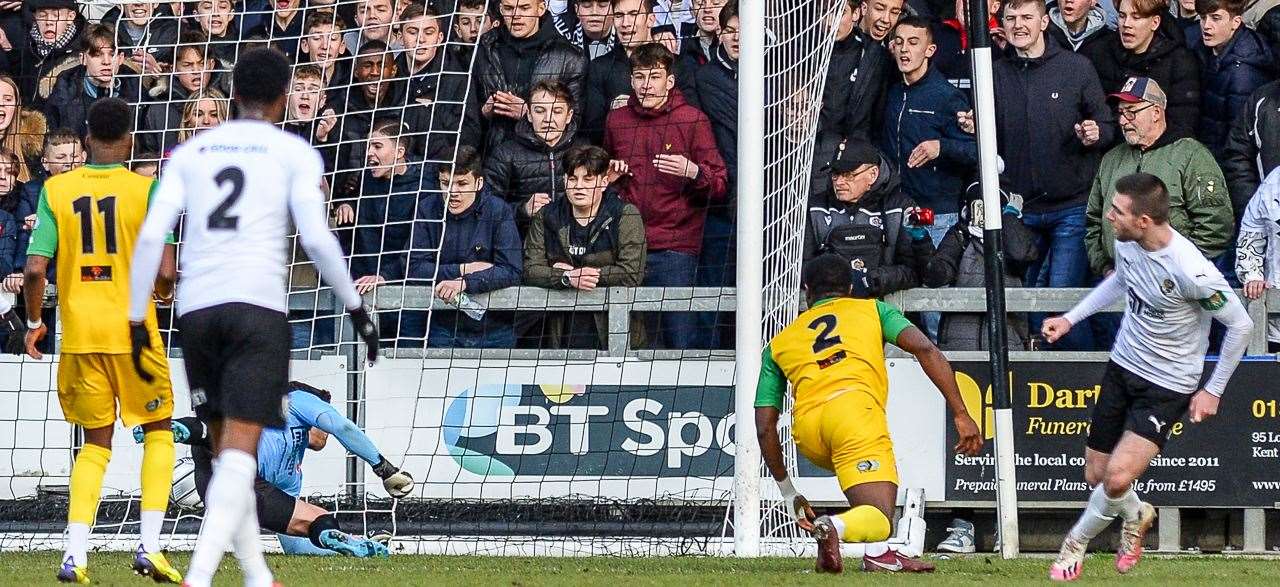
<point>589,239</point>
<point>463,243</point>
<point>1199,206</point>
<point>676,171</point>
<point>1258,249</point>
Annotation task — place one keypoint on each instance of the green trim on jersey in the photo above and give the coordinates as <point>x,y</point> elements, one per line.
<point>771,388</point>
<point>151,195</point>
<point>892,322</point>
<point>44,238</point>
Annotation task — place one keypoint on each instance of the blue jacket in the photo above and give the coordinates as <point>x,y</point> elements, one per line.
<point>1244,65</point>
<point>484,232</point>
<point>10,233</point>
<point>922,112</point>
<point>385,213</point>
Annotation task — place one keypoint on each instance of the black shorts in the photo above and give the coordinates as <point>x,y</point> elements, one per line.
<point>1129,402</point>
<point>275,507</point>
<point>237,361</point>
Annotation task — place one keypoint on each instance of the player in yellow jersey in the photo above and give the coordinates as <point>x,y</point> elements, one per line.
<point>833,357</point>
<point>88,219</point>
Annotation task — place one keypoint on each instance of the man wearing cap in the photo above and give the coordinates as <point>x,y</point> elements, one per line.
<point>865,217</point>
<point>1199,205</point>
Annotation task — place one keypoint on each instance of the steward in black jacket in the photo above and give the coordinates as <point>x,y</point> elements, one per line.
<point>857,79</point>
<point>871,230</point>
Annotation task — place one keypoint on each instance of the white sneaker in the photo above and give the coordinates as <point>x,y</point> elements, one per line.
<point>959,538</point>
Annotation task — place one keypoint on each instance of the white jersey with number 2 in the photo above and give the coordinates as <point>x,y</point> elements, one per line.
<point>1169,295</point>
<point>240,184</point>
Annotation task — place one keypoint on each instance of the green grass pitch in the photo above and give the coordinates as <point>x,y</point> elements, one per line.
<point>32,569</point>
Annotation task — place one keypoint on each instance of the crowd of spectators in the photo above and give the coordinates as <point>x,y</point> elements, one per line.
<point>476,145</point>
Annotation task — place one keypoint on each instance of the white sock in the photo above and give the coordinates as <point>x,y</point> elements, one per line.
<point>874,549</point>
<point>228,497</point>
<point>77,544</point>
<point>1097,515</point>
<point>248,546</point>
<point>1128,505</point>
<point>838,524</point>
<point>152,522</point>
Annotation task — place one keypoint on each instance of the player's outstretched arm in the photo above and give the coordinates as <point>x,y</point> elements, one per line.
<point>940,373</point>
<point>148,251</point>
<point>1102,296</point>
<point>397,482</point>
<point>771,388</point>
<point>1226,308</point>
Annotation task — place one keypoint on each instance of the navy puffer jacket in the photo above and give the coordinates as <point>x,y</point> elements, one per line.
<point>1244,65</point>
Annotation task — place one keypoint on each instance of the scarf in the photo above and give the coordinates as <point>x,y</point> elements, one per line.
<point>43,49</point>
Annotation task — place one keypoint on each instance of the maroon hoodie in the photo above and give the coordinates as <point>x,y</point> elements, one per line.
<point>674,208</point>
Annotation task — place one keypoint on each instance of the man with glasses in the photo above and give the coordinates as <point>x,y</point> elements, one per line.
<point>1150,46</point>
<point>866,218</point>
<point>1198,200</point>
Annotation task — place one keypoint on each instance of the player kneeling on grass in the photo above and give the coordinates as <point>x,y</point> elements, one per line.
<point>833,356</point>
<point>1153,378</point>
<point>309,422</point>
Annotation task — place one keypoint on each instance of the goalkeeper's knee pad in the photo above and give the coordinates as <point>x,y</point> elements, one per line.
<point>864,523</point>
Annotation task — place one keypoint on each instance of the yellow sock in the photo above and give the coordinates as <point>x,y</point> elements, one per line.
<point>86,483</point>
<point>864,524</point>
<point>157,470</point>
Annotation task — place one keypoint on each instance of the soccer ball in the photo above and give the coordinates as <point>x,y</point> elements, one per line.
<point>183,492</point>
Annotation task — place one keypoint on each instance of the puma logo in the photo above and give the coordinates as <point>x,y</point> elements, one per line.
<point>1157,423</point>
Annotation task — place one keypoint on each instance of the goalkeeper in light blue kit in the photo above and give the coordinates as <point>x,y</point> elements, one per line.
<point>302,527</point>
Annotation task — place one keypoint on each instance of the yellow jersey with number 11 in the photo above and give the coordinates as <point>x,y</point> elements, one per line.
<point>89,218</point>
<point>835,347</point>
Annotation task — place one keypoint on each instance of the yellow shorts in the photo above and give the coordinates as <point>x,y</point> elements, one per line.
<point>90,384</point>
<point>848,435</point>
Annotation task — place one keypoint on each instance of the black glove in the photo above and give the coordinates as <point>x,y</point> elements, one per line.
<point>15,343</point>
<point>367,331</point>
<point>140,338</point>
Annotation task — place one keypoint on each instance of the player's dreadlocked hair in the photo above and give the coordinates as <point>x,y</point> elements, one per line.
<point>311,389</point>
<point>829,275</point>
<point>109,119</point>
<point>261,76</point>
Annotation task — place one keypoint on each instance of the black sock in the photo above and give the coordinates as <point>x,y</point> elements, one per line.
<point>319,525</point>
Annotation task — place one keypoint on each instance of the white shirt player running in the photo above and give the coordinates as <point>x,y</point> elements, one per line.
<point>1171,295</point>
<point>240,183</point>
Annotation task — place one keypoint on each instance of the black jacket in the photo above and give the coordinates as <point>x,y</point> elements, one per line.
<point>718,95</point>
<point>1244,65</point>
<point>870,233</point>
<point>857,79</point>
<point>1252,149</point>
<point>1170,63</point>
<point>37,73</point>
<point>162,119</point>
<point>68,104</point>
<point>440,92</point>
<point>507,64</point>
<point>1040,101</point>
<point>525,165</point>
<point>1095,39</point>
<point>1269,27</point>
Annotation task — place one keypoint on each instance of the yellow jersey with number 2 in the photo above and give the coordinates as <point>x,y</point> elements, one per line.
<point>835,347</point>
<point>88,218</point>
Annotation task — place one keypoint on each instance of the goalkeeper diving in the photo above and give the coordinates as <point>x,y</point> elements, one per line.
<point>302,527</point>
<point>833,357</point>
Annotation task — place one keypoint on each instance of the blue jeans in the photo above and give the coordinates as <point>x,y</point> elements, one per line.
<point>671,330</point>
<point>716,268</point>
<point>941,224</point>
<point>495,335</point>
<point>1063,263</point>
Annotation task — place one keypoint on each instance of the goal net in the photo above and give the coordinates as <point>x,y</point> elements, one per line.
<point>546,420</point>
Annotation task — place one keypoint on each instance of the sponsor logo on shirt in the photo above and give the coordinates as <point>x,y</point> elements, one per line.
<point>1214,302</point>
<point>95,273</point>
<point>1166,286</point>
<point>868,466</point>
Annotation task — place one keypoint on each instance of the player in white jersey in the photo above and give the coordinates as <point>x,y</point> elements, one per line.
<point>240,183</point>
<point>1172,293</point>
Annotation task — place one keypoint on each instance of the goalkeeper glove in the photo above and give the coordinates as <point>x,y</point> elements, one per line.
<point>796,505</point>
<point>140,339</point>
<point>397,482</point>
<point>15,342</point>
<point>367,332</point>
